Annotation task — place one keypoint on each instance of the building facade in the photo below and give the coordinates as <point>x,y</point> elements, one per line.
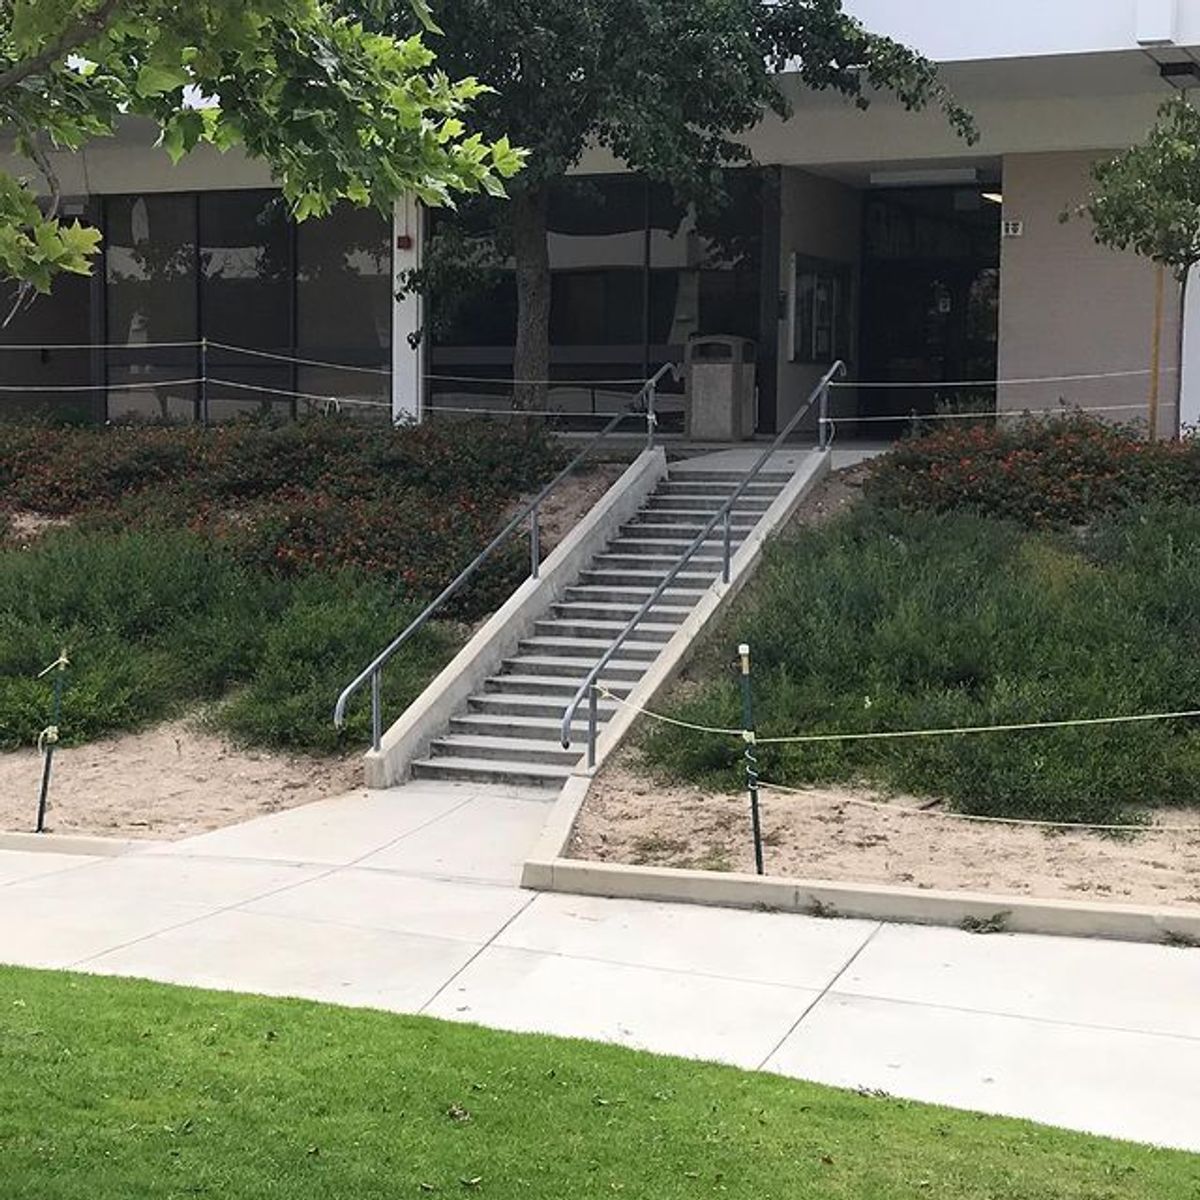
<point>942,273</point>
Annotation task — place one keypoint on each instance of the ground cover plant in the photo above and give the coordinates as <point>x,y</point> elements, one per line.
<point>128,1088</point>
<point>175,564</point>
<point>960,602</point>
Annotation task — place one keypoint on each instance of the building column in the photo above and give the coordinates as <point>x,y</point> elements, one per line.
<point>1189,409</point>
<point>408,334</point>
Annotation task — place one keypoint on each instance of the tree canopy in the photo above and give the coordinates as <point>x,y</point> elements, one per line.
<point>338,112</point>
<point>668,86</point>
<point>1148,198</point>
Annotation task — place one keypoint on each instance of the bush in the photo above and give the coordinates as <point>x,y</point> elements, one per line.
<point>155,623</point>
<point>1063,471</point>
<point>314,648</point>
<point>149,621</point>
<point>887,620</point>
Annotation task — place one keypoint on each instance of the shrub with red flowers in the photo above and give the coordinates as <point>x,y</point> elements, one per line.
<point>1063,471</point>
<point>408,506</point>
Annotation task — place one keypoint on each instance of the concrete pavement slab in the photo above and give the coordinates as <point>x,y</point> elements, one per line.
<point>283,956</point>
<point>800,952</point>
<point>486,839</point>
<point>470,912</point>
<point>16,865</point>
<point>1130,1085</point>
<point>672,1012</point>
<point>45,930</point>
<point>209,883</point>
<point>1115,984</point>
<point>337,832</point>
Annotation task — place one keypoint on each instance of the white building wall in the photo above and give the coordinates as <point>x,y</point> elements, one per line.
<point>962,30</point>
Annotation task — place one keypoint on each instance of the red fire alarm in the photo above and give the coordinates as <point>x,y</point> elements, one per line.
<point>404,241</point>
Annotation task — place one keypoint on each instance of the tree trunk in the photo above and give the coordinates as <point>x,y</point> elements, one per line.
<point>1183,295</point>
<point>531,358</point>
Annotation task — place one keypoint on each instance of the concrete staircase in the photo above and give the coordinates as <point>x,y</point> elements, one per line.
<point>509,732</point>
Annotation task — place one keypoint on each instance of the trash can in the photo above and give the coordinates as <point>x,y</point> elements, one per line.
<point>722,388</point>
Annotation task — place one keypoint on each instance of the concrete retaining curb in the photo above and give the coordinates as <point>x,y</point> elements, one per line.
<point>977,911</point>
<point>75,843</point>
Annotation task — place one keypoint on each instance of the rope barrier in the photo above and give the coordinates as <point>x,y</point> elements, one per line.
<point>859,802</point>
<point>1027,381</point>
<point>434,409</point>
<point>894,735</point>
<point>292,358</point>
<point>41,388</point>
<point>991,414</point>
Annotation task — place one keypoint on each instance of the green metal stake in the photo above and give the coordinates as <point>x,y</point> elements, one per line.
<point>751,758</point>
<point>48,738</point>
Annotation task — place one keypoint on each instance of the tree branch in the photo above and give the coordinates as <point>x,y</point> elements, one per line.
<point>70,39</point>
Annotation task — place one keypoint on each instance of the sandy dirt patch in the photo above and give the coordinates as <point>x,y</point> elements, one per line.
<point>571,501</point>
<point>628,818</point>
<point>164,783</point>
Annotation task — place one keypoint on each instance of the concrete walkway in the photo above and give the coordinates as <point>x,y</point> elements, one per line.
<point>407,900</point>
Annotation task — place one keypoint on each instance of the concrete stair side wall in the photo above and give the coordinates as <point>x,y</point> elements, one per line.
<point>409,738</point>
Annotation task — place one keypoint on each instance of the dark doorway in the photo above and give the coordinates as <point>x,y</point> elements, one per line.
<point>930,300</point>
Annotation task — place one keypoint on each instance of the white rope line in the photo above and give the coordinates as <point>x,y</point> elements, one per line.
<point>509,381</point>
<point>1010,414</point>
<point>898,810</point>
<point>100,346</point>
<point>524,412</point>
<point>292,358</point>
<point>40,388</point>
<point>894,735</point>
<point>1027,381</point>
<point>271,391</point>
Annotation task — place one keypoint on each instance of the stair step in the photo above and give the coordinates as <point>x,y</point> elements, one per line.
<point>682,473</point>
<point>693,522</point>
<point>615,594</point>
<point>483,770</point>
<point>618,670</point>
<point>720,488</point>
<point>672,547</point>
<point>588,649</point>
<point>547,705</point>
<point>605,631</point>
<point>708,504</point>
<point>542,686</point>
<point>662,613</point>
<point>521,726</point>
<point>625,563</point>
<point>517,750</point>
<point>687,578</point>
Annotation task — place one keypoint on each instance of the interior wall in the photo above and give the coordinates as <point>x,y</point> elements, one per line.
<point>818,218</point>
<point>1071,307</point>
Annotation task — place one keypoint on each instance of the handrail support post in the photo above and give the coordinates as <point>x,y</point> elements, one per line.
<point>823,420</point>
<point>593,717</point>
<point>535,543</point>
<point>376,710</point>
<point>727,568</point>
<point>651,414</point>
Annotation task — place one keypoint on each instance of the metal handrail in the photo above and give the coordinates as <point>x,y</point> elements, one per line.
<point>373,672</point>
<point>724,514</point>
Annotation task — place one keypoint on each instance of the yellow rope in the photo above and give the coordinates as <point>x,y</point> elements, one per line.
<point>891,735</point>
<point>1190,830</point>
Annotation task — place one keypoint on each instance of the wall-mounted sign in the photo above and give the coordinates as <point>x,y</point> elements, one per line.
<point>1012,228</point>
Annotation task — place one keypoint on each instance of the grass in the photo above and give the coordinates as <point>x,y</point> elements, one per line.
<point>124,1089</point>
<point>888,620</point>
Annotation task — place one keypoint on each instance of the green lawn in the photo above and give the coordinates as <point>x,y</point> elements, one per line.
<point>115,1089</point>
